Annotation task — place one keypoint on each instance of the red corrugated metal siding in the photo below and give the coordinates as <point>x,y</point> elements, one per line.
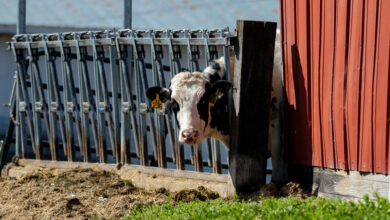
<point>336,61</point>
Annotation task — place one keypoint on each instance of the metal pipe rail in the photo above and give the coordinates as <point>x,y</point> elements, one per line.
<point>106,113</point>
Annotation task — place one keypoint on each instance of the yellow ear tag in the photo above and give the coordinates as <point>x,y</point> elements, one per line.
<point>214,97</point>
<point>157,103</point>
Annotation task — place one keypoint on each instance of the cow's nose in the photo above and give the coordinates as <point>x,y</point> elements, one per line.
<point>190,135</point>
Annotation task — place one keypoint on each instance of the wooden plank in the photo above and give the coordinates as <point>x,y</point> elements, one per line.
<point>251,99</point>
<point>327,54</point>
<point>149,170</point>
<point>353,82</point>
<point>381,85</point>
<point>301,75</point>
<point>315,42</point>
<point>288,41</point>
<point>366,123</point>
<point>340,55</point>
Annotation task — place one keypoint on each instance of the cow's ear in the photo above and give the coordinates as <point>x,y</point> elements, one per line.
<point>218,89</point>
<point>163,93</point>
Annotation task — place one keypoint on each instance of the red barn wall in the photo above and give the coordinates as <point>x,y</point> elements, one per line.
<point>336,62</point>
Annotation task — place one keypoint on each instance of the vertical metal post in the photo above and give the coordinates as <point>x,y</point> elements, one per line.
<point>174,63</point>
<point>68,107</point>
<point>127,13</point>
<point>158,79</point>
<point>193,65</point>
<point>115,102</point>
<point>87,103</point>
<point>127,105</point>
<point>84,101</point>
<point>23,97</point>
<point>212,145</point>
<point>20,29</point>
<point>138,56</point>
<point>39,101</point>
<point>21,24</point>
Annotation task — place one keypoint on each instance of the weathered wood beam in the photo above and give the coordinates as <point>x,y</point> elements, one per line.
<point>252,83</point>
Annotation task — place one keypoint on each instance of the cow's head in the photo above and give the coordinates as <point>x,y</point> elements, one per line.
<point>192,95</point>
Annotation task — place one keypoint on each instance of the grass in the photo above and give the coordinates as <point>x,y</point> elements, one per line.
<point>268,208</point>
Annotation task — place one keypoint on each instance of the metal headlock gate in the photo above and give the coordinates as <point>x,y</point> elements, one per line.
<point>73,118</point>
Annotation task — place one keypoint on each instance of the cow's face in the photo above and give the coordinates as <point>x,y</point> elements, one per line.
<point>191,96</point>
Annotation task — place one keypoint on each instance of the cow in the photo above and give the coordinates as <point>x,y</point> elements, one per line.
<point>200,104</point>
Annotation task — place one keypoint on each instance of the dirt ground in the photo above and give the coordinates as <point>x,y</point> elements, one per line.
<point>46,193</point>
<point>290,189</point>
<point>81,193</point>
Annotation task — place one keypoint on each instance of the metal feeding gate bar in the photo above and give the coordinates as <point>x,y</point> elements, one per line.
<point>70,112</point>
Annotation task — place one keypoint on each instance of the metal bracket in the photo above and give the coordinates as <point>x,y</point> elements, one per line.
<point>69,107</point>
<point>38,107</point>
<point>126,108</point>
<point>86,107</point>
<point>54,107</point>
<point>143,108</point>
<point>22,106</point>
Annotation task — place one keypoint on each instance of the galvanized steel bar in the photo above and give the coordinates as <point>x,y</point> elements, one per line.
<point>145,104</point>
<point>175,67</point>
<point>39,101</point>
<point>55,105</point>
<point>138,56</point>
<point>193,55</point>
<point>209,143</point>
<point>87,103</point>
<point>69,105</point>
<point>102,101</point>
<point>20,120</point>
<point>24,100</point>
<point>226,55</point>
<point>127,13</point>
<point>84,101</point>
<point>213,145</point>
<point>115,102</point>
<point>21,24</point>
<point>165,113</point>
<point>36,111</point>
<point>159,80</point>
<point>128,106</point>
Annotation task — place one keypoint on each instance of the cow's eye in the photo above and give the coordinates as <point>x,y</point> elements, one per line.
<point>175,106</point>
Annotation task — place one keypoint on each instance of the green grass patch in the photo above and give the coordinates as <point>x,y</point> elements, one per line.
<point>268,208</point>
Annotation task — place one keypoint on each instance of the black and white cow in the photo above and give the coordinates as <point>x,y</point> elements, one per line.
<point>200,104</point>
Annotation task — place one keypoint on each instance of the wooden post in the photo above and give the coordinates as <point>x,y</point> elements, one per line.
<point>252,83</point>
